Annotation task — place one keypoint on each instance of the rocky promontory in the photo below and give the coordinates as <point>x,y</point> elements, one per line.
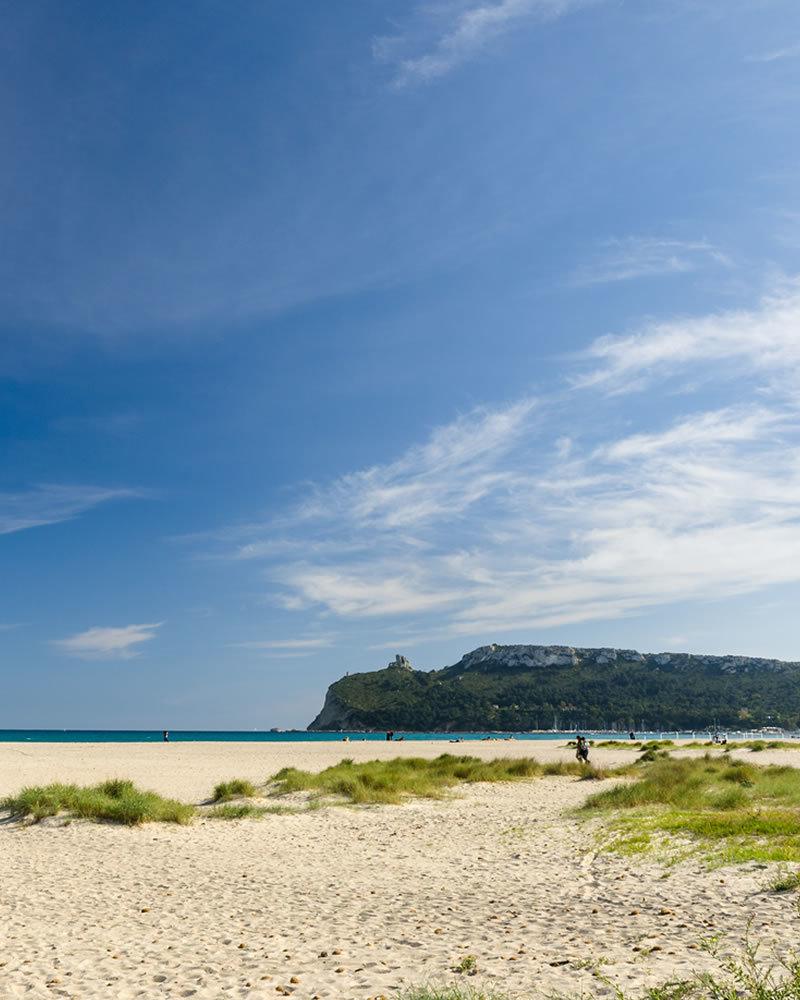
<point>523,687</point>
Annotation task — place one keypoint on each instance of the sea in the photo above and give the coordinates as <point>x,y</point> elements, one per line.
<point>295,736</point>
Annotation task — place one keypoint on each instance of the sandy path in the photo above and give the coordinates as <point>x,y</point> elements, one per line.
<point>391,894</point>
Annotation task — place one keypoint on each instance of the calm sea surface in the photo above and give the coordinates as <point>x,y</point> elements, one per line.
<point>254,736</point>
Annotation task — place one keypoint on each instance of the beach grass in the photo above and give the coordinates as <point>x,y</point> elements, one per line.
<point>117,800</point>
<point>451,991</point>
<point>393,781</point>
<point>246,810</point>
<point>743,977</point>
<point>785,881</point>
<point>732,810</point>
<point>758,745</point>
<point>234,789</point>
<point>634,744</point>
<point>755,745</point>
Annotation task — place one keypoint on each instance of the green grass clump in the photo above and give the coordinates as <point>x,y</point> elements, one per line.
<point>619,744</point>
<point>785,881</point>
<point>743,978</point>
<point>635,744</point>
<point>245,810</point>
<point>117,800</point>
<point>758,745</point>
<point>755,745</point>
<point>450,992</point>
<point>235,788</point>
<point>468,965</point>
<point>392,781</point>
<point>739,810</point>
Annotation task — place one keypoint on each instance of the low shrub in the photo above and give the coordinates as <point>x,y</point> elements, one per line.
<point>392,781</point>
<point>233,789</point>
<point>116,800</point>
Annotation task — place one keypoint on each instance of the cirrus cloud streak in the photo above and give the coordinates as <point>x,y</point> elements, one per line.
<point>538,513</point>
<point>108,643</point>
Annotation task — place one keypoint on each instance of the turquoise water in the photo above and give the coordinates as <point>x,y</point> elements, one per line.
<point>250,736</point>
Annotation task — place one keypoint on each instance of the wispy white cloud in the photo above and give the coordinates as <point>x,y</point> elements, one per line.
<point>51,503</point>
<point>288,648</point>
<point>372,588</point>
<point>456,33</point>
<point>645,257</point>
<point>715,428</point>
<point>775,55</point>
<point>459,465</point>
<point>538,514</point>
<point>108,643</point>
<point>765,339</point>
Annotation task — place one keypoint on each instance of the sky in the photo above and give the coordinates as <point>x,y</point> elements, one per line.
<point>335,331</point>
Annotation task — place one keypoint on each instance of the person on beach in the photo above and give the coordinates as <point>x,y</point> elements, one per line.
<point>165,735</point>
<point>582,751</point>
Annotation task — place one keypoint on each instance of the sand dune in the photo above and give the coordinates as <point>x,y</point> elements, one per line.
<point>342,902</point>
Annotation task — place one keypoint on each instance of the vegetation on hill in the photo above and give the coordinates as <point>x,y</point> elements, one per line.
<point>513,688</point>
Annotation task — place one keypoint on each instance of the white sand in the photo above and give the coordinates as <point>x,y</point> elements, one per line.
<point>393,895</point>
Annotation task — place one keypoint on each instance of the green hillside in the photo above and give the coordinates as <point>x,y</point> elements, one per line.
<point>532,687</point>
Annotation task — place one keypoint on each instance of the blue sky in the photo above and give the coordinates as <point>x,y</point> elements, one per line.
<point>330,331</point>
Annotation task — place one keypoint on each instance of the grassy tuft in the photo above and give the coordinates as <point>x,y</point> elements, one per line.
<point>755,745</point>
<point>392,781</point>
<point>741,811</point>
<point>450,992</point>
<point>235,788</point>
<point>758,745</point>
<point>635,744</point>
<point>785,881</point>
<point>744,978</point>
<point>117,800</point>
<point>244,810</point>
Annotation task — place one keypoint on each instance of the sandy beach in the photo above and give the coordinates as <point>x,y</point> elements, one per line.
<point>345,902</point>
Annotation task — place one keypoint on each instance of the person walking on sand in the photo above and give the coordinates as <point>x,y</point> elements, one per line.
<point>165,735</point>
<point>582,751</point>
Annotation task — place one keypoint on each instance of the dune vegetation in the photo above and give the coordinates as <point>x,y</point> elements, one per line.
<point>734,744</point>
<point>633,744</point>
<point>452,991</point>
<point>743,977</point>
<point>729,809</point>
<point>758,745</point>
<point>246,810</point>
<point>116,800</point>
<point>236,788</point>
<point>393,781</point>
<point>373,782</point>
